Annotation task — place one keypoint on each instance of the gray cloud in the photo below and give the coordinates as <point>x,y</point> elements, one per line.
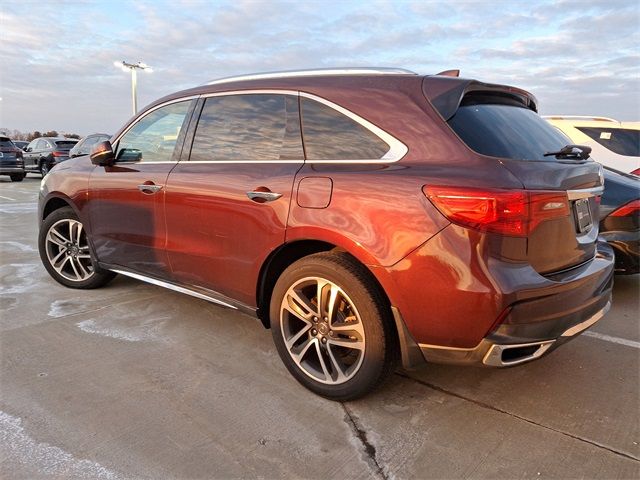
<point>576,56</point>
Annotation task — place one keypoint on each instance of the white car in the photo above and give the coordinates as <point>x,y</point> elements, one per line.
<point>614,144</point>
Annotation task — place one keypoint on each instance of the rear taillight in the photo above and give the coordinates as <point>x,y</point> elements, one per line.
<point>58,153</point>
<point>627,210</point>
<point>509,212</point>
<point>636,172</point>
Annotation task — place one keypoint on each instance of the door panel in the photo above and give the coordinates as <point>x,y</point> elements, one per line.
<point>243,146</point>
<point>126,200</point>
<point>127,225</point>
<point>217,237</point>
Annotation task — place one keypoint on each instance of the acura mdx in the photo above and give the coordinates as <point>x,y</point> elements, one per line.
<point>369,217</point>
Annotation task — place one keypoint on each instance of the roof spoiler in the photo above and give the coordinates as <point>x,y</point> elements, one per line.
<point>449,73</point>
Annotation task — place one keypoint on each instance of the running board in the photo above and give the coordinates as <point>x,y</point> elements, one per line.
<point>202,294</point>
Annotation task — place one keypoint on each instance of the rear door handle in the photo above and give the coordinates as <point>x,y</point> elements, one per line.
<point>149,189</point>
<point>262,197</point>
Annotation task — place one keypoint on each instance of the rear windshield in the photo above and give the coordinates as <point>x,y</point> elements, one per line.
<point>6,143</point>
<point>65,145</point>
<point>619,140</point>
<point>506,131</point>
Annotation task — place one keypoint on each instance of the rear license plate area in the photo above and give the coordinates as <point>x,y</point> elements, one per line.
<point>582,214</point>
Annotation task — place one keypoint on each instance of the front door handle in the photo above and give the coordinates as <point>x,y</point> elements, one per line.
<point>262,197</point>
<point>149,189</point>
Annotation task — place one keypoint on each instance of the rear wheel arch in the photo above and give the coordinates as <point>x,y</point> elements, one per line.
<point>289,253</point>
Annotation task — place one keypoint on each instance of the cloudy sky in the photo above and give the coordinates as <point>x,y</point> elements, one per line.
<point>577,57</point>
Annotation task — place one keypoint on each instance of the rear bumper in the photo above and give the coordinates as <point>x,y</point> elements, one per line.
<point>10,170</point>
<point>554,310</point>
<point>494,351</point>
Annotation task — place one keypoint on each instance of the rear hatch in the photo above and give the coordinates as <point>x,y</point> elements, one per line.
<point>62,149</point>
<point>502,122</point>
<point>9,153</point>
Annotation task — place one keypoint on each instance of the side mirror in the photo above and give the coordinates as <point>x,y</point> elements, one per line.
<point>102,154</point>
<point>27,149</point>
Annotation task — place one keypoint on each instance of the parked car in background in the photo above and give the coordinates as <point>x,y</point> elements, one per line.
<point>620,219</point>
<point>21,144</point>
<point>83,147</point>
<point>613,144</point>
<point>43,153</point>
<point>366,216</point>
<point>11,162</point>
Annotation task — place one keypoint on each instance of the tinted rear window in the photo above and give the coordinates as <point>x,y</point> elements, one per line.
<point>6,143</point>
<point>506,131</point>
<point>65,145</point>
<point>618,140</point>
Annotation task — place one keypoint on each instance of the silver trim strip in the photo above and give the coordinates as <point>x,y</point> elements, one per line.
<point>588,322</point>
<point>312,72</point>
<point>585,193</point>
<point>494,354</point>
<point>171,286</point>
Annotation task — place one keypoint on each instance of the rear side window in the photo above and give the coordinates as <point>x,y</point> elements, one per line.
<point>618,140</point>
<point>253,127</point>
<point>6,143</point>
<point>506,131</point>
<point>330,135</point>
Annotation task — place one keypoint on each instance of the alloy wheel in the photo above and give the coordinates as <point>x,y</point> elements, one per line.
<point>67,250</point>
<point>322,330</point>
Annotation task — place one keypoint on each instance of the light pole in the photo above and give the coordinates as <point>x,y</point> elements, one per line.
<point>133,67</point>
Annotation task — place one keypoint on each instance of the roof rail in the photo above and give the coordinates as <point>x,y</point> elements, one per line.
<point>312,72</point>
<point>580,117</point>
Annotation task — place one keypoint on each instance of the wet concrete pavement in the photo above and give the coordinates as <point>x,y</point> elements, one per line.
<point>134,381</point>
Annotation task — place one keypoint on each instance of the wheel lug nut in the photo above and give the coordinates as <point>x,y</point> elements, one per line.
<point>314,332</point>
<point>331,333</point>
<point>325,319</point>
<point>324,340</point>
<point>315,319</point>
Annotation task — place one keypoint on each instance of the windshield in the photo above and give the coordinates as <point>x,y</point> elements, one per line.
<point>506,131</point>
<point>619,140</point>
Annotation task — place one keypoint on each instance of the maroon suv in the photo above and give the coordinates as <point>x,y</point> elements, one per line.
<point>367,216</point>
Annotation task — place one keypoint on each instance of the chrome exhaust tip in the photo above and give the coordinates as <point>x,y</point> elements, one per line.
<point>507,355</point>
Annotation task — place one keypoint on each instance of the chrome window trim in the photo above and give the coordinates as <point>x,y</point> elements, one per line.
<point>397,149</point>
<point>312,72</point>
<point>585,193</point>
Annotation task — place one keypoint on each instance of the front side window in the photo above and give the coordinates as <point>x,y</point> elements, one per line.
<point>330,135</point>
<point>153,137</point>
<point>252,127</point>
<point>622,141</point>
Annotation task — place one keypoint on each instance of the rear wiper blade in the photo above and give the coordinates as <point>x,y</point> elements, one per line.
<point>571,151</point>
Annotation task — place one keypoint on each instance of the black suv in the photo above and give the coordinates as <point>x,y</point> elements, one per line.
<point>11,162</point>
<point>45,152</point>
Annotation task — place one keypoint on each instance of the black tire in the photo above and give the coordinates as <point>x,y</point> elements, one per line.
<point>17,177</point>
<point>43,168</point>
<point>98,276</point>
<point>380,338</point>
